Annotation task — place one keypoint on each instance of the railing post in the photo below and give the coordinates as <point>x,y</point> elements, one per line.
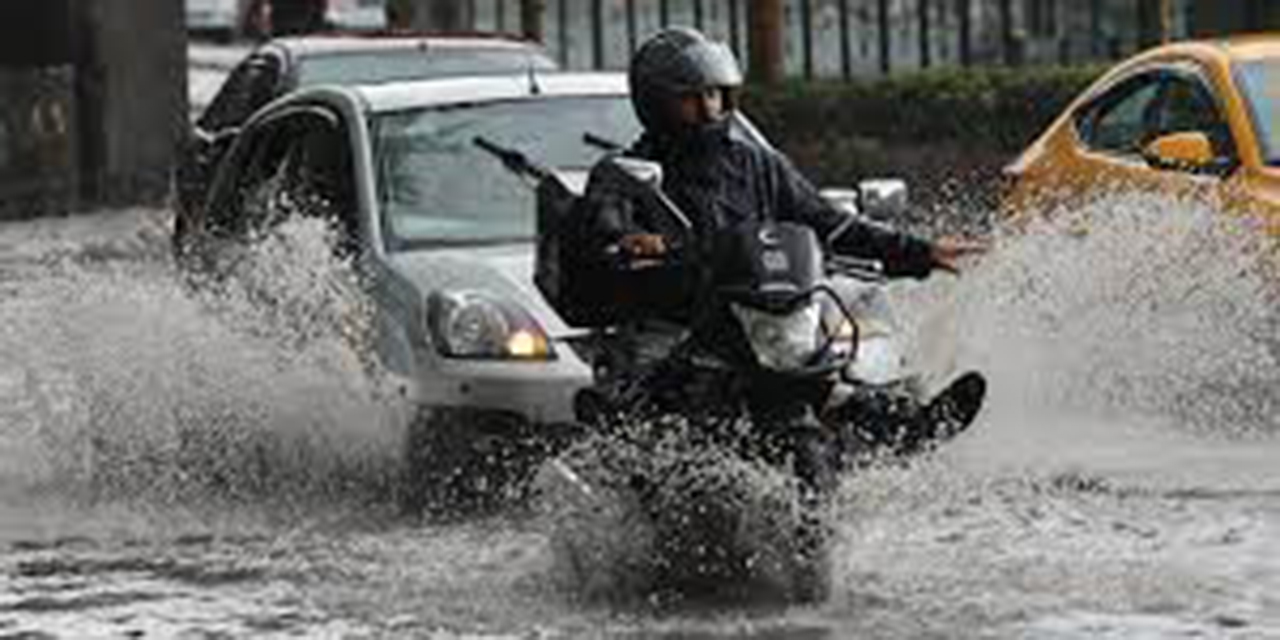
<point>631,26</point>
<point>886,44</point>
<point>597,34</point>
<point>846,53</point>
<point>734,36</point>
<point>924,33</point>
<point>1008,45</point>
<point>1095,28</point>
<point>806,37</point>
<point>562,27</point>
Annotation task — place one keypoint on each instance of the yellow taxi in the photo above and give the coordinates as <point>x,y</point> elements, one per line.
<point>1198,118</point>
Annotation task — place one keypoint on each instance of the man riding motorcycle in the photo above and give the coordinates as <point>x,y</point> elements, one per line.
<point>684,88</point>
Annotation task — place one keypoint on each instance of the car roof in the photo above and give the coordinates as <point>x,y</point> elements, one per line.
<point>329,44</point>
<point>1221,50</point>
<point>1252,47</point>
<point>399,96</point>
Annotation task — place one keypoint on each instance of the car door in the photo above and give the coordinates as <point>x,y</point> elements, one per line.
<point>1115,130</point>
<point>297,161</point>
<point>250,85</point>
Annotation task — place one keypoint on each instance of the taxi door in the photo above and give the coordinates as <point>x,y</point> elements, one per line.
<point>1115,132</point>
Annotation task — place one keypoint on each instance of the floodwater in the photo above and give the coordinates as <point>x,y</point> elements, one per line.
<point>214,462</point>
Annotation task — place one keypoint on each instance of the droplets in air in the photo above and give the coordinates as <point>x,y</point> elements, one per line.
<point>1131,303</point>
<point>134,379</point>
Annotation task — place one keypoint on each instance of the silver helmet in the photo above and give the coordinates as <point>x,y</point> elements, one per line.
<point>674,62</point>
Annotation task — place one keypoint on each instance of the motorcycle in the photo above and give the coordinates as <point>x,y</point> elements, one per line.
<point>711,446</point>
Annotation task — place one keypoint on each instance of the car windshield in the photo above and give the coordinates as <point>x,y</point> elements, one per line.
<point>1259,81</point>
<point>373,67</point>
<point>437,187</point>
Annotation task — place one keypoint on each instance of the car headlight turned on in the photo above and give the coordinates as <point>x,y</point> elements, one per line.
<point>475,325</point>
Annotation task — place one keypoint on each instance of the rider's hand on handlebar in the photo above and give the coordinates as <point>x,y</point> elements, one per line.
<point>643,245</point>
<point>948,251</point>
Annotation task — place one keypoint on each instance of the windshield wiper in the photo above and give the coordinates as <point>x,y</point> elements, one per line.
<point>601,142</point>
<point>513,160</point>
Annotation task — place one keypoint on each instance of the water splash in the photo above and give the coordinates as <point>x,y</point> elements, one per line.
<point>676,520</point>
<point>1133,304</point>
<point>124,380</point>
<point>1123,467</point>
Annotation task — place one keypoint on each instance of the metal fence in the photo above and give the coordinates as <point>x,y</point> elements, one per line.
<point>851,38</point>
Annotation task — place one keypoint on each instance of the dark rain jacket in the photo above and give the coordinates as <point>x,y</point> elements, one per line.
<point>726,179</point>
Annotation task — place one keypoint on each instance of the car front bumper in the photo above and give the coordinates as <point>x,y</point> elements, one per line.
<point>542,392</point>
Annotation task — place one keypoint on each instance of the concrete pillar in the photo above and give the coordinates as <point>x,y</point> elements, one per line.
<point>131,67</point>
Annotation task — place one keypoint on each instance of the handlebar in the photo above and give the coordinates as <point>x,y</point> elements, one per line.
<point>863,269</point>
<point>619,259</point>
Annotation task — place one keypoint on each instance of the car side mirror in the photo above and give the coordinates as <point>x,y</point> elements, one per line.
<point>217,141</point>
<point>880,199</point>
<point>1188,150</point>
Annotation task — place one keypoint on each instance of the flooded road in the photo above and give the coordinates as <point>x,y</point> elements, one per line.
<point>178,465</point>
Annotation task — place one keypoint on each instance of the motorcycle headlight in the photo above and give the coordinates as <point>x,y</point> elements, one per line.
<point>476,325</point>
<point>781,341</point>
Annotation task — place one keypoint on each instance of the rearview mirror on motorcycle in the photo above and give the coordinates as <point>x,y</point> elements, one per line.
<point>880,199</point>
<point>883,198</point>
<point>641,180</point>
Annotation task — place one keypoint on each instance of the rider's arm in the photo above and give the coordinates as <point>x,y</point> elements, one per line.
<point>903,254</point>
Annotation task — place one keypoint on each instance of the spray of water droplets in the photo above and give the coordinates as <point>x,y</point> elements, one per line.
<point>127,377</point>
<point>1133,304</point>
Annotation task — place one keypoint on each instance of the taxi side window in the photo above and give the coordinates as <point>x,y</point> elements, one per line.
<point>1187,105</point>
<point>1121,120</point>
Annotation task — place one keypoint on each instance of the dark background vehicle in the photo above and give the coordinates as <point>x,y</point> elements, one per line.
<point>284,64</point>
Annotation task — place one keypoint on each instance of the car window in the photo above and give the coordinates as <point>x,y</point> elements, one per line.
<point>1121,120</point>
<point>389,66</point>
<point>251,85</point>
<point>297,164</point>
<point>1259,81</point>
<point>1186,104</point>
<point>436,186</point>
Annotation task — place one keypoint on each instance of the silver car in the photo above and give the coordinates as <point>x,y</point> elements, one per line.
<point>446,236</point>
<point>276,67</point>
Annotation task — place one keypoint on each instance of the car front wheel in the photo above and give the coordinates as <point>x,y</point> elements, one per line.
<point>464,460</point>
